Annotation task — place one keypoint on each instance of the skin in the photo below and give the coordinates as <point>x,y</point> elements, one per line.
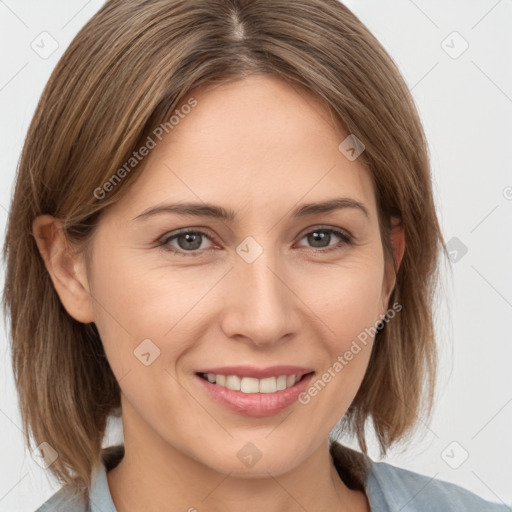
<point>261,148</point>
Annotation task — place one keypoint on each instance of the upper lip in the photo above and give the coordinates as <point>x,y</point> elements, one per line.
<point>258,373</point>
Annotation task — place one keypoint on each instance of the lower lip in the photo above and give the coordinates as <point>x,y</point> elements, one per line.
<point>255,404</point>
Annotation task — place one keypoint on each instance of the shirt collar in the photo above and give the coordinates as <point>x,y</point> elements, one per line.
<point>100,499</point>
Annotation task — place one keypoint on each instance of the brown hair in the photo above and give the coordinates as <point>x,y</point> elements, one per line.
<point>126,72</point>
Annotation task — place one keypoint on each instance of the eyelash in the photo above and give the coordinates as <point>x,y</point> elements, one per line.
<point>164,243</point>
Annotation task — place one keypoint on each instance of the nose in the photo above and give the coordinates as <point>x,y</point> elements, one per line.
<point>261,308</point>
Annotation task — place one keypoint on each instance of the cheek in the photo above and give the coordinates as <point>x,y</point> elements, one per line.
<point>348,298</point>
<point>349,305</point>
<point>135,301</point>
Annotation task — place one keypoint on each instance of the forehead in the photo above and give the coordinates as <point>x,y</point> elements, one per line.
<point>256,145</point>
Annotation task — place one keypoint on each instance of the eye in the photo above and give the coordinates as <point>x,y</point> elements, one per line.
<point>321,237</point>
<point>188,242</point>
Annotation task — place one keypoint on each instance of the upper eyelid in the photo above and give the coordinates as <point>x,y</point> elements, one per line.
<point>326,228</point>
<point>201,231</point>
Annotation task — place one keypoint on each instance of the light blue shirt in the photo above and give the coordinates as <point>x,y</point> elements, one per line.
<point>388,488</point>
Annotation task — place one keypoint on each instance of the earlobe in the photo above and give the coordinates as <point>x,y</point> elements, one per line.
<point>66,269</point>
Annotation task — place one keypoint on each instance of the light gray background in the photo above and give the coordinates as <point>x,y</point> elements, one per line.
<point>466,105</point>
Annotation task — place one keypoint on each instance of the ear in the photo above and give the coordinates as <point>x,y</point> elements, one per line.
<point>67,270</point>
<point>397,238</point>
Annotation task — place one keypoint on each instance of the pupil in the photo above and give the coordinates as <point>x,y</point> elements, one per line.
<point>319,236</point>
<point>190,238</point>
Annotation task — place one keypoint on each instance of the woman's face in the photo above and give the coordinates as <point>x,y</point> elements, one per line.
<point>257,285</point>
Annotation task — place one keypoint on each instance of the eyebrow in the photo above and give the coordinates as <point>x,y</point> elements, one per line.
<point>218,212</point>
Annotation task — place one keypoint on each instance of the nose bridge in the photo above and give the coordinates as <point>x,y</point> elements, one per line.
<point>260,304</point>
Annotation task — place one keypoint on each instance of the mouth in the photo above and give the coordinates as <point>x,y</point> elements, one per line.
<point>250,385</point>
<point>254,392</point>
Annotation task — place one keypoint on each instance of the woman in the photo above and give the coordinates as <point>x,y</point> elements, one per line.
<point>223,230</point>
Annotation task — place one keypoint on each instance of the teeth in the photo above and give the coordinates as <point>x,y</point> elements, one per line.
<point>281,382</point>
<point>268,385</point>
<point>233,382</point>
<point>249,385</point>
<point>252,385</point>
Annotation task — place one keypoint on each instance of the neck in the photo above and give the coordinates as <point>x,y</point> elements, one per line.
<point>153,475</point>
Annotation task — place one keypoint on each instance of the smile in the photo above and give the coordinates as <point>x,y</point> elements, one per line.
<point>252,384</point>
<point>254,392</point>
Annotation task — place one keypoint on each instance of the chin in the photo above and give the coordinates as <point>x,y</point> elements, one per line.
<point>258,459</point>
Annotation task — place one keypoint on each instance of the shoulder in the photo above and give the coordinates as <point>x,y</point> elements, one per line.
<point>68,499</point>
<point>391,489</point>
<point>65,500</point>
<point>408,491</point>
